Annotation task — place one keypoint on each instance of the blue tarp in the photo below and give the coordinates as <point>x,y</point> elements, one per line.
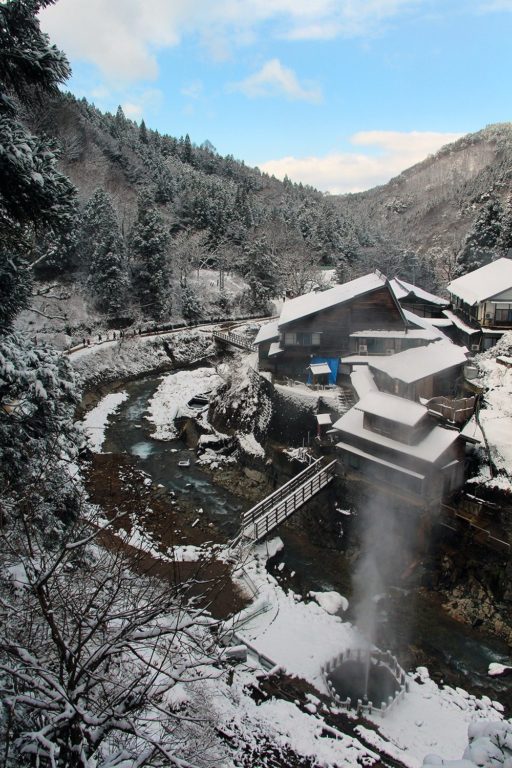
<point>332,362</point>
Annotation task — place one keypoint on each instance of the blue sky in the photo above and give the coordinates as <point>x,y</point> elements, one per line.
<point>341,94</point>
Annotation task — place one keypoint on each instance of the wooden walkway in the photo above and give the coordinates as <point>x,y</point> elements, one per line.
<point>235,339</point>
<point>269,513</point>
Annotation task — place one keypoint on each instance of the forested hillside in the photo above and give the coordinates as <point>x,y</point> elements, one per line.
<point>453,210</point>
<point>154,207</point>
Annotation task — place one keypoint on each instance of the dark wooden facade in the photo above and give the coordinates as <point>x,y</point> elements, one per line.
<point>326,333</point>
<point>400,473</point>
<point>447,383</point>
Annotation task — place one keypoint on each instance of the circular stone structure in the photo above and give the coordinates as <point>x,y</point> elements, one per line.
<point>365,680</point>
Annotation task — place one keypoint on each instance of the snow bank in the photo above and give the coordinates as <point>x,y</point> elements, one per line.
<point>250,445</point>
<point>496,415</point>
<point>297,636</point>
<point>331,602</point>
<point>490,746</point>
<point>96,420</point>
<point>433,719</point>
<point>137,355</point>
<point>171,398</point>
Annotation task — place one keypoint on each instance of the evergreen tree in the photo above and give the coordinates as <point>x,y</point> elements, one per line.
<point>36,393</point>
<point>186,154</point>
<point>143,132</point>
<point>482,243</point>
<point>261,274</point>
<point>108,273</point>
<point>149,245</point>
<point>190,307</point>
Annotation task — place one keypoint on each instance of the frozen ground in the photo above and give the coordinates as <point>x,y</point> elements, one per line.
<point>300,637</point>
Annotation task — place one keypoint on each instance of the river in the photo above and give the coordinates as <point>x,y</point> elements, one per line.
<point>453,652</point>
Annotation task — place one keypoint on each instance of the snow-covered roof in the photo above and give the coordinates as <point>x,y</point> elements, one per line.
<point>275,349</point>
<point>319,368</point>
<point>440,322</point>
<point>426,323</point>
<point>267,332</point>
<point>418,363</point>
<point>472,431</point>
<point>391,407</point>
<point>402,289</point>
<point>457,321</point>
<point>430,449</point>
<point>362,380</point>
<point>306,305</point>
<point>483,283</point>
<point>323,418</point>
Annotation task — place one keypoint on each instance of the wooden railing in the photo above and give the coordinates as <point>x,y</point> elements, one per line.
<point>274,509</point>
<point>457,411</point>
<point>235,339</point>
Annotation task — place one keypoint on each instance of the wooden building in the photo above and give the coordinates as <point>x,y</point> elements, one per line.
<point>320,325</point>
<point>396,446</point>
<point>424,372</point>
<point>416,300</point>
<point>482,304</point>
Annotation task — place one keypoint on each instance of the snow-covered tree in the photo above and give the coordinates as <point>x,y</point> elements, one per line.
<point>149,246</point>
<point>95,658</point>
<point>261,273</point>
<point>108,274</point>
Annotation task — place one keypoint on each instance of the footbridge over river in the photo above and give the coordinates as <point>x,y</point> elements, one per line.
<point>276,508</point>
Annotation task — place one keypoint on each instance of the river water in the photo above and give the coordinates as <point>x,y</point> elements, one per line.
<point>411,624</point>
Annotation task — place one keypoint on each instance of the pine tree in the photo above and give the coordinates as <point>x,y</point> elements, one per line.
<point>482,243</point>
<point>143,132</point>
<point>108,273</point>
<point>186,154</point>
<point>261,274</point>
<point>36,392</point>
<point>149,245</point>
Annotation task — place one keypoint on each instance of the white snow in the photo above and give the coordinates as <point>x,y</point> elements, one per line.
<point>297,636</point>
<point>483,283</point>
<point>391,407</point>
<point>267,332</point>
<point>496,669</point>
<point>496,415</point>
<point>331,602</point>
<point>419,362</point>
<point>95,421</point>
<point>432,719</point>
<point>429,449</point>
<point>363,381</point>
<point>171,398</point>
<point>459,323</point>
<point>309,303</point>
<point>250,445</point>
<point>401,289</point>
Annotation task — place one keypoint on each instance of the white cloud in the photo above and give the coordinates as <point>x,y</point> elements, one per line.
<point>123,37</point>
<point>341,172</point>
<point>133,111</point>
<point>273,79</point>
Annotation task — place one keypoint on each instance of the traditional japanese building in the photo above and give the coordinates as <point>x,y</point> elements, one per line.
<point>362,316</point>
<point>482,304</point>
<point>395,445</point>
<point>418,301</point>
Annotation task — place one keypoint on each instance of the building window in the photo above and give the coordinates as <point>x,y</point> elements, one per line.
<point>503,313</point>
<point>300,339</point>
